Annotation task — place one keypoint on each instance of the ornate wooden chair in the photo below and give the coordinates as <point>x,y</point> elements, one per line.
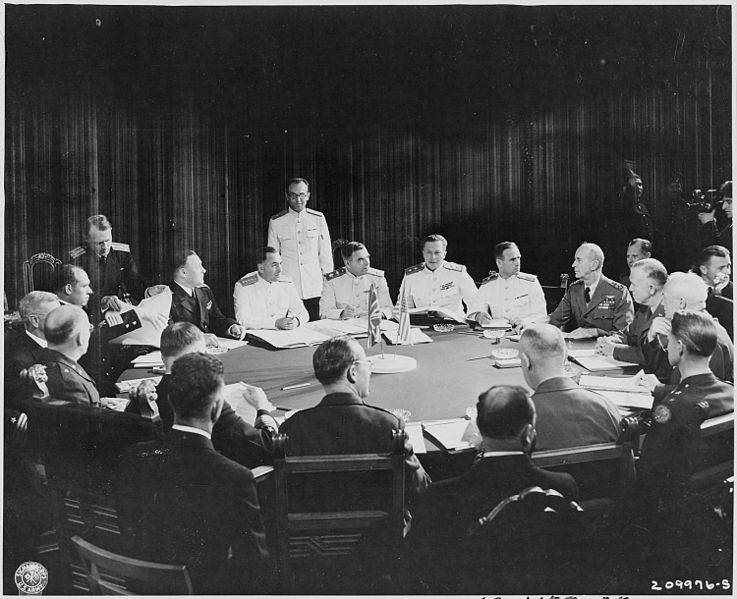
<point>30,267</point>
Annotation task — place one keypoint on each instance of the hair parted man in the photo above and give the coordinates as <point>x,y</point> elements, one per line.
<point>437,283</point>
<point>567,415</point>
<point>593,305</point>
<point>647,279</point>
<point>509,293</point>
<point>181,500</point>
<point>637,249</point>
<point>267,298</point>
<point>715,268</point>
<point>193,301</point>
<point>345,290</point>
<point>67,330</point>
<point>301,236</point>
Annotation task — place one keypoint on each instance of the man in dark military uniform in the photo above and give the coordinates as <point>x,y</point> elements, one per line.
<point>594,305</point>
<point>113,273</point>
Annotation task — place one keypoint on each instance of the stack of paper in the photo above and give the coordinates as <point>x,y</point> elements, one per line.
<point>441,312</point>
<point>234,395</point>
<point>608,383</point>
<point>148,360</point>
<point>231,343</point>
<point>590,360</point>
<point>352,326</point>
<point>414,434</point>
<point>415,336</point>
<point>299,337</point>
<point>628,401</point>
<point>448,434</point>
<point>147,334</point>
<point>496,323</point>
<point>507,362</point>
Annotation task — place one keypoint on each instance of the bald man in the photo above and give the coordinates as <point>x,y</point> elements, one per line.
<point>684,291</point>
<point>68,337</point>
<point>594,305</point>
<point>567,415</point>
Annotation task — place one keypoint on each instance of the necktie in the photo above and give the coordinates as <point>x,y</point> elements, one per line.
<point>587,295</point>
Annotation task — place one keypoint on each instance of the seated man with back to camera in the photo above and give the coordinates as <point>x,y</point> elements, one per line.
<point>567,415</point>
<point>193,301</point>
<point>506,418</point>
<point>266,298</point>
<point>345,290</point>
<point>436,283</point>
<point>594,305</point>
<point>231,435</point>
<point>647,279</point>
<point>509,294</point>
<point>181,502</point>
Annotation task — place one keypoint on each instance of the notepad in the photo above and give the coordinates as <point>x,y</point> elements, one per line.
<point>148,360</point>
<point>609,383</point>
<point>595,362</point>
<point>448,434</point>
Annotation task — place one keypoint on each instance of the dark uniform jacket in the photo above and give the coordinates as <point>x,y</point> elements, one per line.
<point>343,424</point>
<point>201,310</point>
<point>68,381</point>
<point>712,233</point>
<point>231,435</point>
<point>610,309</point>
<point>635,335</point>
<point>721,307</point>
<point>116,275</point>
<point>182,502</point>
<point>569,415</point>
<point>22,353</point>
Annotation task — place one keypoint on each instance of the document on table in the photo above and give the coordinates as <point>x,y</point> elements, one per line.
<point>147,334</point>
<point>590,360</point>
<point>231,343</point>
<point>151,360</point>
<point>416,336</point>
<point>414,433</point>
<point>628,401</point>
<point>496,323</point>
<point>233,394</point>
<point>333,328</point>
<point>444,312</point>
<point>449,434</point>
<point>299,337</point>
<point>609,383</point>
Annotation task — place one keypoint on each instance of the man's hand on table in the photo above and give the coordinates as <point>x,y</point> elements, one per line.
<point>646,380</point>
<point>483,318</point>
<point>583,333</point>
<point>605,345</point>
<point>256,397</point>
<point>211,340</point>
<point>286,323</point>
<point>236,331</point>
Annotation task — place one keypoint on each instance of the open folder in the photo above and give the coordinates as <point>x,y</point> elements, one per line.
<point>147,334</point>
<point>299,337</point>
<point>457,433</point>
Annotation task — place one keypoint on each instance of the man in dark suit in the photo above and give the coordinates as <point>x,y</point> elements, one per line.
<point>24,349</point>
<point>507,422</point>
<point>193,301</point>
<point>68,337</point>
<point>342,423</point>
<point>594,305</point>
<point>647,279</point>
<point>182,502</point>
<point>567,415</point>
<point>231,435</point>
<point>715,268</point>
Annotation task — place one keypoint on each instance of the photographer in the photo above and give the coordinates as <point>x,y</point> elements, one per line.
<point>712,233</point>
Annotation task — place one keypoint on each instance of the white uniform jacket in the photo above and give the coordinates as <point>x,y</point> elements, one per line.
<point>444,287</point>
<point>258,303</point>
<point>520,295</point>
<point>341,289</point>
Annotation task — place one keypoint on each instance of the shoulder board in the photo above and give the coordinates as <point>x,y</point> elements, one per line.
<point>339,272</point>
<point>78,251</point>
<point>121,247</point>
<point>526,277</point>
<point>248,279</point>
<point>311,211</point>
<point>454,266</point>
<point>414,269</point>
<point>576,282</point>
<point>493,276</point>
<point>376,272</point>
<point>203,286</point>
<point>279,214</point>
<point>285,279</point>
<point>614,284</point>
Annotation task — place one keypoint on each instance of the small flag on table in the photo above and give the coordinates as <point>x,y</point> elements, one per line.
<point>404,324</point>
<point>374,317</point>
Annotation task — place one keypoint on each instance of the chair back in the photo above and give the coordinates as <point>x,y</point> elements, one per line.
<point>716,452</point>
<point>38,272</point>
<point>109,573</point>
<point>349,520</point>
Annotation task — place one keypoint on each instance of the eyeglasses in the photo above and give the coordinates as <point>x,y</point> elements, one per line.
<point>298,196</point>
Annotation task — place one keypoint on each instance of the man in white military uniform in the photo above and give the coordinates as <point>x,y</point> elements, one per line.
<point>345,291</point>
<point>510,294</point>
<point>436,283</point>
<point>302,238</point>
<point>266,299</point>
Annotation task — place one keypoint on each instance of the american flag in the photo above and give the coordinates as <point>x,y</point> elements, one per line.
<point>403,332</point>
<point>374,317</point>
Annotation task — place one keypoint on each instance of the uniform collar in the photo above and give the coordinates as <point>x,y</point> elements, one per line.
<point>188,290</point>
<point>426,269</point>
<point>41,342</point>
<point>298,215</point>
<point>593,286</point>
<point>191,429</point>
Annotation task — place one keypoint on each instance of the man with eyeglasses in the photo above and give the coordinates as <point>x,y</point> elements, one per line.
<point>301,236</point>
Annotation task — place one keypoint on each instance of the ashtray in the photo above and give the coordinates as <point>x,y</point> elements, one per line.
<point>217,350</point>
<point>504,353</point>
<point>444,328</point>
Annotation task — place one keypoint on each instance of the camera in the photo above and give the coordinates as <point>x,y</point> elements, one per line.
<point>704,202</point>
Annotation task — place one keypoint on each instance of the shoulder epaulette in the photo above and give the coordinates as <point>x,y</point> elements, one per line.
<point>618,286</point>
<point>285,279</point>
<point>279,214</point>
<point>375,271</point>
<point>576,282</point>
<point>526,276</point>
<point>78,251</point>
<point>121,247</point>
<point>249,279</point>
<point>414,269</point>
<point>338,272</point>
<point>315,212</point>
<point>454,266</point>
<point>203,286</point>
<point>493,276</point>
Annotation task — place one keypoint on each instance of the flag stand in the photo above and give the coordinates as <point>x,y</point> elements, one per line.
<point>385,364</point>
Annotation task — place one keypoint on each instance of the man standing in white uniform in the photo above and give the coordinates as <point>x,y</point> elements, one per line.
<point>436,283</point>
<point>302,238</point>
<point>509,294</point>
<point>266,299</point>
<point>345,292</point>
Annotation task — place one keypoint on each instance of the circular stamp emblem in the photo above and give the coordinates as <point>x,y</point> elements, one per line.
<point>661,414</point>
<point>31,578</point>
